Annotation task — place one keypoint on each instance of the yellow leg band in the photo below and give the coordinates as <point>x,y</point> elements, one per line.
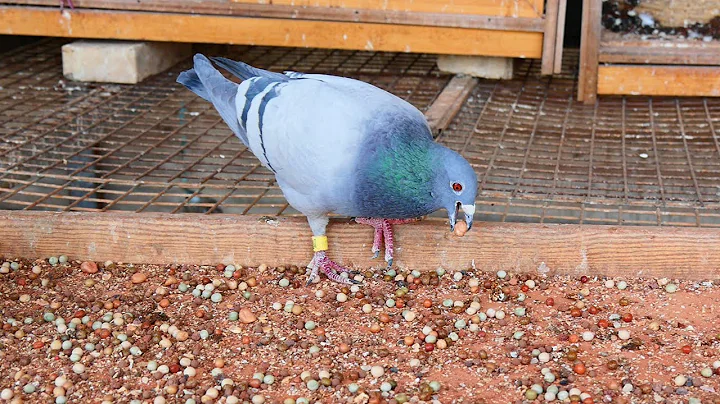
<point>320,243</point>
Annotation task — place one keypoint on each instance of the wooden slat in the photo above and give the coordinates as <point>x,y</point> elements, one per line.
<point>449,102</point>
<point>631,49</point>
<point>589,43</point>
<point>659,80</point>
<point>560,37</point>
<point>223,7</point>
<point>506,8</point>
<point>272,32</point>
<point>251,240</point>
<point>548,53</point>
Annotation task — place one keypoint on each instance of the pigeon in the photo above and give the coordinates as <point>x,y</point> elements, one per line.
<point>338,146</point>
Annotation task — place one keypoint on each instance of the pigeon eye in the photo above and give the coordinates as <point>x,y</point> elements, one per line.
<point>457,187</point>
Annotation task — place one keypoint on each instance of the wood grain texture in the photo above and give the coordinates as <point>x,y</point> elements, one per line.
<point>691,253</point>
<point>506,8</point>
<point>548,53</point>
<point>449,102</point>
<point>659,80</point>
<point>560,37</point>
<point>589,47</point>
<point>223,7</point>
<point>617,48</point>
<point>37,21</point>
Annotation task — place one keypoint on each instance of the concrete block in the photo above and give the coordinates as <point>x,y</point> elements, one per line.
<point>477,66</point>
<point>120,61</point>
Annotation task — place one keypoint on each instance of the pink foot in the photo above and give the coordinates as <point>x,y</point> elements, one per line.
<point>68,2</point>
<point>383,227</point>
<point>332,270</point>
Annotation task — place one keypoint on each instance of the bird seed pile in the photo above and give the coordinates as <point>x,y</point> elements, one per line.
<point>85,332</point>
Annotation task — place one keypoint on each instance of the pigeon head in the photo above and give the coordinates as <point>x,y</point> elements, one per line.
<point>455,185</point>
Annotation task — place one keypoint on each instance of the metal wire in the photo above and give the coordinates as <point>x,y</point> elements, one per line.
<point>155,146</point>
<point>541,157</point>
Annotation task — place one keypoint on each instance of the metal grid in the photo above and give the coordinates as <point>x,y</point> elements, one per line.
<point>540,155</point>
<point>156,146</point>
<point>543,157</point>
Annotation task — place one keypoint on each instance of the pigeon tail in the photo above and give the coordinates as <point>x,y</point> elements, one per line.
<point>244,71</point>
<point>204,80</point>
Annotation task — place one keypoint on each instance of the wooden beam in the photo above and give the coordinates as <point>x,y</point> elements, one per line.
<point>505,8</point>
<point>631,49</point>
<point>548,52</point>
<point>448,103</point>
<point>659,80</point>
<point>560,37</point>
<point>160,238</point>
<point>589,43</point>
<point>223,7</point>
<point>272,32</point>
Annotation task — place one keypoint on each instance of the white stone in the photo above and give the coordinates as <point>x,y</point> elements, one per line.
<point>122,62</point>
<point>477,66</point>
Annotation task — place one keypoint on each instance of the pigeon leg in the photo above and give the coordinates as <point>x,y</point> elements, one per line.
<point>383,229</point>
<point>68,3</point>
<point>320,261</point>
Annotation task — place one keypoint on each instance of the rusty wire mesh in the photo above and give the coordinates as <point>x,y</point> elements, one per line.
<point>543,157</point>
<point>540,155</point>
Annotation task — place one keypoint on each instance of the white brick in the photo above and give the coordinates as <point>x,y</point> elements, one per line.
<point>120,61</point>
<point>477,66</point>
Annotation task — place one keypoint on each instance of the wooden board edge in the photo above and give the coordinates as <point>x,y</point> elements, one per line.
<point>513,8</point>
<point>490,22</point>
<point>104,24</point>
<point>659,57</point>
<point>448,103</point>
<point>659,80</point>
<point>158,238</point>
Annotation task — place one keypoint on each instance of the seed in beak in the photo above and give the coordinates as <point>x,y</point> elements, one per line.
<point>460,228</point>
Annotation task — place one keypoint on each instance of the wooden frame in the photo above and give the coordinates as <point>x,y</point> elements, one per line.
<point>520,28</point>
<point>159,238</point>
<point>614,64</point>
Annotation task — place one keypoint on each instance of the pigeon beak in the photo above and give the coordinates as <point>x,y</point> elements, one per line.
<point>452,215</point>
<point>469,211</point>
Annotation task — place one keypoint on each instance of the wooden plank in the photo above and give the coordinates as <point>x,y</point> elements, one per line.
<point>560,37</point>
<point>449,102</point>
<point>659,80</point>
<point>548,52</point>
<point>272,32</point>
<point>589,44</point>
<point>505,8</point>
<point>251,240</point>
<point>631,49</point>
<point>223,7</point>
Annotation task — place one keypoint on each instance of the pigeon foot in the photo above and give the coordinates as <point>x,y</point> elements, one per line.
<point>383,230</point>
<point>331,269</point>
<point>68,3</point>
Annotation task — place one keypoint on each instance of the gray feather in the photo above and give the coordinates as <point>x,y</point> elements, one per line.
<point>218,90</point>
<point>243,71</point>
<point>191,80</point>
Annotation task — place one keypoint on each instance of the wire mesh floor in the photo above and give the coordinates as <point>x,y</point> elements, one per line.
<point>540,155</point>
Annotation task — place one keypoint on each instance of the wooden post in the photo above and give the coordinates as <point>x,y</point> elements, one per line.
<point>549,38</point>
<point>589,48</point>
<point>560,37</point>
